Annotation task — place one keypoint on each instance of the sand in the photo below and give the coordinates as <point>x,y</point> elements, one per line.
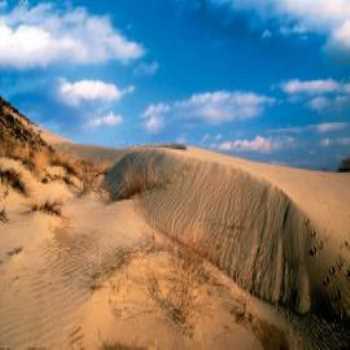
<point>185,250</point>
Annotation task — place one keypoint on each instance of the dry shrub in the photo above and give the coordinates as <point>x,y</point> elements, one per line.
<point>176,146</point>
<point>268,334</point>
<point>13,179</point>
<point>179,300</point>
<point>47,207</point>
<point>35,160</point>
<point>119,346</point>
<point>121,258</point>
<point>3,216</point>
<point>70,165</point>
<point>15,251</point>
<point>85,170</point>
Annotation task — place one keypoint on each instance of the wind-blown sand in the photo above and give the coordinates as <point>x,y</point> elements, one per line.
<point>260,224</point>
<point>193,250</point>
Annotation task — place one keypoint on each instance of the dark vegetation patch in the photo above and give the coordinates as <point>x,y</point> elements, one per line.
<point>119,346</point>
<point>48,207</point>
<point>15,251</point>
<point>13,179</point>
<point>176,146</point>
<point>344,166</point>
<point>3,216</point>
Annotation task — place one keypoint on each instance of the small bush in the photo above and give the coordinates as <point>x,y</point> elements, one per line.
<point>68,164</point>
<point>15,251</point>
<point>179,301</point>
<point>12,178</point>
<point>3,216</point>
<point>177,146</point>
<point>48,207</point>
<point>119,346</point>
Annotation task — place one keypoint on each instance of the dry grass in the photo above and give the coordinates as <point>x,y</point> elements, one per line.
<point>69,164</point>
<point>3,216</point>
<point>85,170</point>
<point>13,179</point>
<point>47,207</point>
<point>119,346</point>
<point>15,251</point>
<point>178,301</point>
<point>268,334</point>
<point>121,258</point>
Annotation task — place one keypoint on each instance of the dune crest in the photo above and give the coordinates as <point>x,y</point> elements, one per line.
<point>244,224</point>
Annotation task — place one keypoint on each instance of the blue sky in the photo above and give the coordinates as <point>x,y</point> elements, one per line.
<point>266,80</point>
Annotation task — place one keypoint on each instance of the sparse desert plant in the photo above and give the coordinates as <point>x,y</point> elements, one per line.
<point>119,346</point>
<point>69,164</point>
<point>12,178</point>
<point>174,305</point>
<point>177,146</point>
<point>15,251</point>
<point>37,161</point>
<point>178,299</point>
<point>3,216</point>
<point>47,207</point>
<point>88,177</point>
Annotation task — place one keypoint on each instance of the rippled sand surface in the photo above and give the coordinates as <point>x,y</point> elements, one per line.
<point>192,251</point>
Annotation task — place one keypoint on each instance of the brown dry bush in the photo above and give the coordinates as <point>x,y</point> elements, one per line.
<point>268,334</point>
<point>13,179</point>
<point>178,302</point>
<point>3,216</point>
<point>70,165</point>
<point>47,207</point>
<point>119,346</point>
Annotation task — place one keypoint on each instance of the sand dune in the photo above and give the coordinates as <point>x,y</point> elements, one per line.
<point>186,249</point>
<point>258,223</point>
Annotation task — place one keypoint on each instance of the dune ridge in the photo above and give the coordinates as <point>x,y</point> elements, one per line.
<point>243,223</point>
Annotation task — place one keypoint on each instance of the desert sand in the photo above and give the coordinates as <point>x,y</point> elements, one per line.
<point>170,249</point>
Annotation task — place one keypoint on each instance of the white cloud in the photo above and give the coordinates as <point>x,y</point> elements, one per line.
<point>339,42</point>
<point>319,128</point>
<point>326,17</point>
<point>154,117</point>
<point>211,107</point>
<point>222,106</point>
<point>343,141</point>
<point>311,87</point>
<point>319,95</point>
<point>75,93</point>
<point>259,144</point>
<point>146,69</point>
<point>330,127</point>
<point>319,103</point>
<point>44,35</point>
<point>110,119</point>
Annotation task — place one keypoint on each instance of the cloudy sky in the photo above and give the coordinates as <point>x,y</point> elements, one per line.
<point>267,80</point>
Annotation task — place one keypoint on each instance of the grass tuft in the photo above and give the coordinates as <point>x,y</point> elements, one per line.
<point>48,207</point>
<point>3,216</point>
<point>12,178</point>
<point>119,346</point>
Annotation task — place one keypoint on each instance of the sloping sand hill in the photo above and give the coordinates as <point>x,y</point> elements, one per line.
<point>281,234</point>
<point>156,248</point>
<point>93,274</point>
